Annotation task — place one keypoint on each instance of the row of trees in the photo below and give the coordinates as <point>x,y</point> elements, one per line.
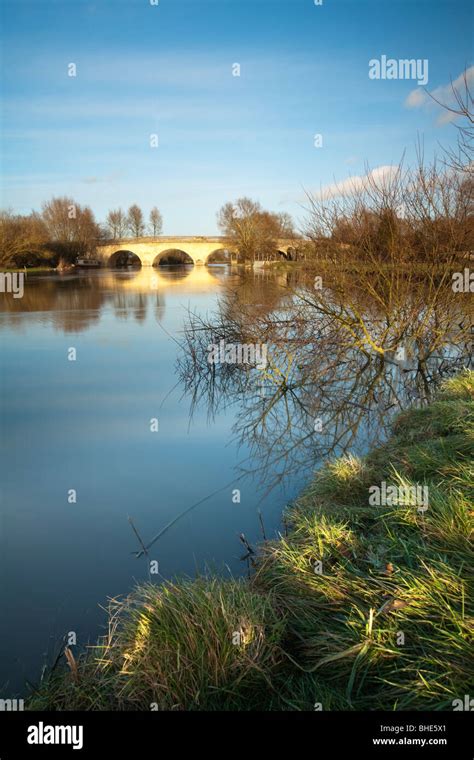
<point>64,230</point>
<point>119,223</point>
<point>420,214</point>
<point>423,213</point>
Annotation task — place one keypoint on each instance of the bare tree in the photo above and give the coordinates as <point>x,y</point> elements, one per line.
<point>135,221</point>
<point>117,223</point>
<point>156,221</point>
<point>287,229</point>
<point>347,356</point>
<point>251,229</point>
<point>460,158</point>
<point>422,214</point>
<point>22,238</point>
<point>70,226</point>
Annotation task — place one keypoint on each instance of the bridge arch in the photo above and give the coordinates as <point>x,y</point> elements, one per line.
<point>219,256</point>
<point>152,250</point>
<point>290,254</point>
<point>173,256</point>
<point>123,258</point>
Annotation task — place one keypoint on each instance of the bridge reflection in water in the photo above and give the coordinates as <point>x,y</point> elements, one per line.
<point>88,424</point>
<point>74,301</point>
<point>188,279</point>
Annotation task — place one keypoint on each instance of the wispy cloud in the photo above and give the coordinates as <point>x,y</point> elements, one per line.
<point>380,176</point>
<point>444,95</point>
<point>94,180</point>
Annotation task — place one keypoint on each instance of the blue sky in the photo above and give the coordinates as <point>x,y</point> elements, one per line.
<point>166,69</point>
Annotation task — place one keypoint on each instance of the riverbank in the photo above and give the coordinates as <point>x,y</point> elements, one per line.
<point>363,605</point>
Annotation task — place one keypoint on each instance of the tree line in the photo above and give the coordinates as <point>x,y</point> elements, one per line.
<point>119,223</point>
<point>402,215</point>
<point>421,214</point>
<point>65,229</point>
<point>424,213</point>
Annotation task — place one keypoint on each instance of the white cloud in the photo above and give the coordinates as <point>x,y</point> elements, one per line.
<point>416,98</point>
<point>444,94</point>
<point>379,176</point>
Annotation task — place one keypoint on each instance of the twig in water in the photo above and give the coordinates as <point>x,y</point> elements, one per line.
<point>260,517</point>
<point>185,512</point>
<point>144,549</point>
<point>247,546</point>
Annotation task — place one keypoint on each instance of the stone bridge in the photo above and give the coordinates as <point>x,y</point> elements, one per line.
<point>153,250</point>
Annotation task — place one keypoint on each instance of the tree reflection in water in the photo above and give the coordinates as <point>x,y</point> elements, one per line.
<point>343,358</point>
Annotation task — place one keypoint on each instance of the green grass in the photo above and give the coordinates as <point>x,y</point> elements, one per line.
<point>174,646</point>
<point>388,623</point>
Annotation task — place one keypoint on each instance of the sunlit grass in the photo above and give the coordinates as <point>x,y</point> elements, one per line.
<point>202,644</point>
<point>387,570</point>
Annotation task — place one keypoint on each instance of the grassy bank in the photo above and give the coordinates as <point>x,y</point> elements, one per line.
<point>385,625</point>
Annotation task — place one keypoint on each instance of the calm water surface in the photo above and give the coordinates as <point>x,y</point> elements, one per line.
<point>141,341</point>
<point>85,425</point>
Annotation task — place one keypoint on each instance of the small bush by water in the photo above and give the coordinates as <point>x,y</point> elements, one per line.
<point>361,606</point>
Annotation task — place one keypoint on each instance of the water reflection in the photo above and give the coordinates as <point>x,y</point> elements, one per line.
<point>341,361</point>
<point>73,302</point>
<point>85,425</point>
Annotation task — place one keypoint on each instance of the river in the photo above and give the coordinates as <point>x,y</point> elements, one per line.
<point>86,425</point>
<point>116,428</point>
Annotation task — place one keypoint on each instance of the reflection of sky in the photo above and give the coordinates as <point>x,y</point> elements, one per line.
<point>85,425</point>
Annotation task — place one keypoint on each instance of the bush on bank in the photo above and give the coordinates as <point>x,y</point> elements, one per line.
<point>361,606</point>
